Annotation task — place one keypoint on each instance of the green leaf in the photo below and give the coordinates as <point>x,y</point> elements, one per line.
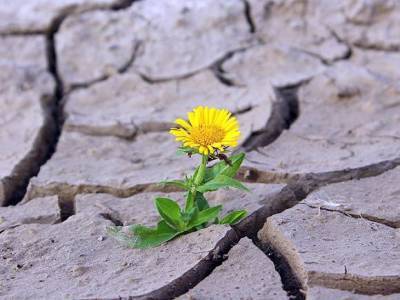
<point>143,237</point>
<point>189,215</point>
<point>116,233</point>
<point>179,183</point>
<point>147,237</point>
<point>233,217</point>
<point>170,211</point>
<point>201,201</point>
<point>221,181</point>
<point>205,216</point>
<point>222,168</point>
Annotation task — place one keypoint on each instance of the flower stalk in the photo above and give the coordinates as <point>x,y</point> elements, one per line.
<point>209,132</point>
<point>201,171</point>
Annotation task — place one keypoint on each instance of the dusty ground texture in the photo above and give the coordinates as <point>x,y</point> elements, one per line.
<point>89,90</point>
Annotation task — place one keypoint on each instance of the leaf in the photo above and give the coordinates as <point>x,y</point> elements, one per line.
<point>179,183</point>
<point>147,237</point>
<point>204,216</point>
<point>116,233</point>
<point>189,215</point>
<point>221,181</point>
<point>170,211</point>
<point>233,217</point>
<point>222,168</point>
<point>201,201</point>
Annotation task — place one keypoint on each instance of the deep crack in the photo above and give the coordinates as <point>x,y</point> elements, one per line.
<point>290,282</point>
<point>218,70</point>
<point>66,206</point>
<point>195,275</point>
<point>248,15</point>
<point>289,196</point>
<point>53,110</point>
<point>285,111</point>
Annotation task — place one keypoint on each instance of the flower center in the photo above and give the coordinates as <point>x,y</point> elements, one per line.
<point>207,135</point>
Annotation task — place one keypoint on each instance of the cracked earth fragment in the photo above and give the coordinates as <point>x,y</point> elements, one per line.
<point>26,125</point>
<point>364,23</point>
<point>110,107</point>
<point>317,293</point>
<point>278,64</point>
<point>296,24</point>
<point>352,122</point>
<point>349,90</point>
<point>246,274</point>
<point>40,210</point>
<point>374,198</point>
<point>342,241</point>
<point>175,39</point>
<point>336,251</point>
<point>87,264</point>
<point>17,16</point>
<point>382,65</point>
<point>89,164</point>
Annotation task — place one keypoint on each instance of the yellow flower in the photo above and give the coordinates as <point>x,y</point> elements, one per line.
<point>208,130</point>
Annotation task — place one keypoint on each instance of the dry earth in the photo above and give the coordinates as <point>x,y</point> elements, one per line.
<point>88,91</point>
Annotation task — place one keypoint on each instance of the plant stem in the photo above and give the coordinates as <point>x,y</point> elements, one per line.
<point>201,172</point>
<point>198,180</point>
<point>190,200</point>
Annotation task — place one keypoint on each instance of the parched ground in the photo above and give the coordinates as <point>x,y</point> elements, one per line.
<point>88,92</point>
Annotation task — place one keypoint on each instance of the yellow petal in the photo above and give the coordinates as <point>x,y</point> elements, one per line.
<point>183,124</point>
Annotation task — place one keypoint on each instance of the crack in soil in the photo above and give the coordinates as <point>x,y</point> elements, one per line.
<point>284,114</point>
<point>290,282</point>
<point>248,16</point>
<point>195,275</point>
<point>67,193</point>
<point>254,175</point>
<point>15,186</point>
<point>64,13</point>
<point>121,70</point>
<point>285,111</point>
<point>375,285</point>
<point>46,142</point>
<point>358,216</point>
<point>131,132</point>
<point>218,70</point>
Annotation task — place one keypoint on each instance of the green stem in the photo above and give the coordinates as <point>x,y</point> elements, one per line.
<point>198,180</point>
<point>201,172</point>
<point>190,200</point>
